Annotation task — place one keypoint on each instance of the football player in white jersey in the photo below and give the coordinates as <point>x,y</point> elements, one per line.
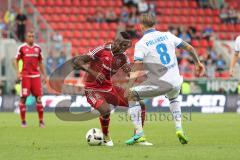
<point>235,56</point>
<point>155,53</point>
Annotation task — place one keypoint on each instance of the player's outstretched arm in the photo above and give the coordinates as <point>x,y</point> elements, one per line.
<point>79,62</point>
<point>233,63</point>
<point>200,69</point>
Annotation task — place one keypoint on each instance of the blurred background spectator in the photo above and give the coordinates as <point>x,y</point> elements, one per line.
<point>142,6</point>
<point>111,16</point>
<point>57,39</point>
<point>21,20</point>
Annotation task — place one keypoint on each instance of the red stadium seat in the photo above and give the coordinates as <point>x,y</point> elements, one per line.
<point>237,27</point>
<point>81,18</point>
<point>103,34</point>
<point>177,4</point>
<point>58,2</point>
<point>67,3</point>
<point>216,20</point>
<point>223,27</point>
<point>104,26</point>
<point>192,19</point>
<point>83,10</point>
<point>208,12</point>
<point>67,34</point>
<point>86,34</point>
<point>195,43</point>
<point>207,20</point>
<point>93,3</point>
<point>199,20</point>
<point>192,4</point>
<point>200,12</point>
<point>185,12</point>
<point>230,28</point>
<point>113,26</point>
<point>95,34</point>
<point>79,26</point>
<point>174,19</point>
<point>176,11</point>
<point>72,18</point>
<point>192,12</point>
<point>112,34</point>
<point>91,10</point>
<point>87,26</point>
<point>118,3</point>
<point>76,2</point>
<point>41,2</point>
<point>163,19</point>
<point>184,4</point>
<point>215,27</point>
<point>203,43</point>
<point>77,34</point>
<point>215,12</point>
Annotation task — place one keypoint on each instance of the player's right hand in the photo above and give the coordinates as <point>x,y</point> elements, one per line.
<point>200,69</point>
<point>231,72</point>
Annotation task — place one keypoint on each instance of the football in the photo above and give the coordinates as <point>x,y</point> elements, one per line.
<point>94,137</point>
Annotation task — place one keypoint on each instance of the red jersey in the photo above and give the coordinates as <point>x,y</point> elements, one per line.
<point>31,57</point>
<point>107,64</point>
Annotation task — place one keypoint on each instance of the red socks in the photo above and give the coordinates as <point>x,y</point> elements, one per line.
<point>22,108</point>
<point>104,121</point>
<point>40,110</point>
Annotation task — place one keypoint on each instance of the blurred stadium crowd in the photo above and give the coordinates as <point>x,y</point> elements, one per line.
<point>90,23</point>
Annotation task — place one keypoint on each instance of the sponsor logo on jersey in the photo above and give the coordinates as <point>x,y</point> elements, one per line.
<point>32,55</point>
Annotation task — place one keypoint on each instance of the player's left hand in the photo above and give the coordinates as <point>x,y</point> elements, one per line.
<point>200,69</point>
<point>44,80</point>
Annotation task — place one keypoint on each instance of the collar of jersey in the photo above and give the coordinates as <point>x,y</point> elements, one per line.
<point>149,31</point>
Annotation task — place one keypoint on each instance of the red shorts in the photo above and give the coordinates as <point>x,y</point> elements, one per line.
<point>114,97</point>
<point>31,85</point>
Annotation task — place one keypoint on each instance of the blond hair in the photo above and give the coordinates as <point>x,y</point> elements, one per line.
<point>147,20</point>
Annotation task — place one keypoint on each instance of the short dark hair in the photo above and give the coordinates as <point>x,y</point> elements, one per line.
<point>148,20</point>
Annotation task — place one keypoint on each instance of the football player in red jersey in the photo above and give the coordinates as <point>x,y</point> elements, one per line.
<point>32,72</point>
<point>100,65</point>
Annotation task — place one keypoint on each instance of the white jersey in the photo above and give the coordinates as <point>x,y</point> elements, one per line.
<point>237,45</point>
<point>159,48</point>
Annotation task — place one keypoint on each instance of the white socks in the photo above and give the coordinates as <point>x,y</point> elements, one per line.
<point>175,108</point>
<point>135,115</point>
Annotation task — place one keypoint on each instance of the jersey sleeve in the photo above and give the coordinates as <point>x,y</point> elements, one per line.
<point>19,53</point>
<point>177,41</point>
<point>40,57</point>
<point>140,52</point>
<point>237,45</point>
<point>95,53</point>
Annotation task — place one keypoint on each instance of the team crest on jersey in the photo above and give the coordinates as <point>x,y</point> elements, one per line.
<point>26,49</point>
<point>36,49</point>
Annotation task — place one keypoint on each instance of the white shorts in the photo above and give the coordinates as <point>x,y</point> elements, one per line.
<point>151,90</point>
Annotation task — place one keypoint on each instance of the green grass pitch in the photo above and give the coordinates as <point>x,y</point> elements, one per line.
<point>212,136</point>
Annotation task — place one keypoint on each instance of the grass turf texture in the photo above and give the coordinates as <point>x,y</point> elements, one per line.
<point>212,136</point>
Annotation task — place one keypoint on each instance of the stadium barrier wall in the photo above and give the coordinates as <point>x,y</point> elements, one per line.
<point>204,103</point>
